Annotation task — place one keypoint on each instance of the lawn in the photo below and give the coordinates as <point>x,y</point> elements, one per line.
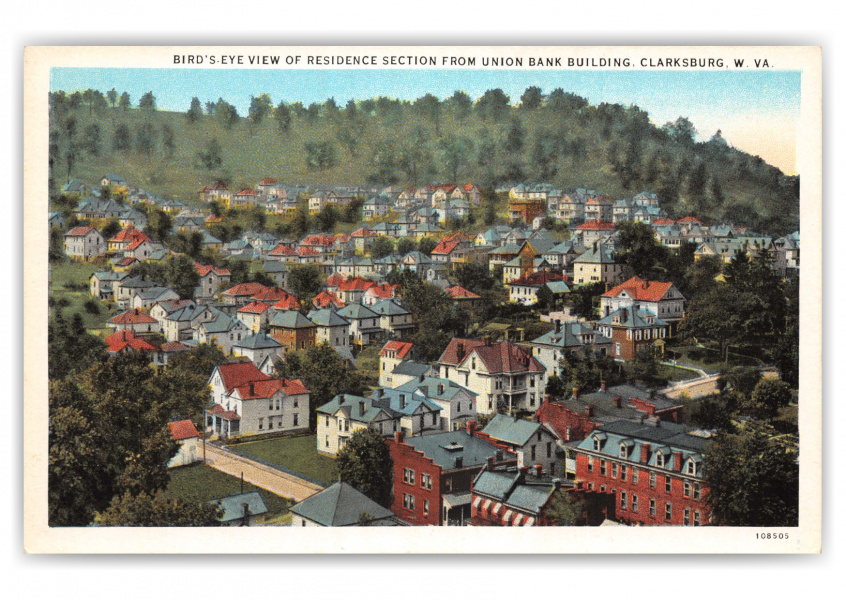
<point>201,483</point>
<point>69,283</point>
<point>708,358</point>
<point>297,454</point>
<point>671,373</point>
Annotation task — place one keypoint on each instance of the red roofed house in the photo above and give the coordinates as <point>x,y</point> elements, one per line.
<point>525,209</point>
<point>594,231</point>
<point>244,198</point>
<point>212,280</point>
<point>327,299</point>
<point>125,237</point>
<point>190,450</point>
<point>463,296</point>
<point>504,376</point>
<point>84,243</point>
<point>243,293</point>
<point>245,401</point>
<point>599,208</point>
<point>211,193</point>
<point>125,339</point>
<point>254,315</point>
<point>525,289</point>
<point>660,297</point>
<point>352,291</point>
<point>392,354</point>
<point>443,252</point>
<point>383,291</point>
<point>135,320</point>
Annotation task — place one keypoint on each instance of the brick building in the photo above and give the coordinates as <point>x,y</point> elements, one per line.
<point>655,470</point>
<point>433,474</point>
<point>631,329</point>
<point>293,330</point>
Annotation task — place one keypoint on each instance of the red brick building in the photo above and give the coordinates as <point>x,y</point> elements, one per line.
<point>433,474</point>
<point>631,329</point>
<point>655,471</point>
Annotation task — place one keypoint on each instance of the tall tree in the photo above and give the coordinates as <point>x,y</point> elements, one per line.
<point>195,111</point>
<point>125,103</point>
<point>493,105</point>
<point>157,510</point>
<point>112,95</point>
<point>145,139</point>
<point>366,464</point>
<point>283,117</point>
<point>122,139</point>
<point>210,158</point>
<point>168,140</point>
<point>92,139</point>
<point>531,98</point>
<point>260,107</point>
<point>147,102</point>
<point>429,107</point>
<point>455,153</point>
<point>460,104</point>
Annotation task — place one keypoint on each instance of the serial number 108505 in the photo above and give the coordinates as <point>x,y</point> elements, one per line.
<point>771,536</point>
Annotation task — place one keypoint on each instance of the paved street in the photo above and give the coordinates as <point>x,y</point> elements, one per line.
<point>263,476</point>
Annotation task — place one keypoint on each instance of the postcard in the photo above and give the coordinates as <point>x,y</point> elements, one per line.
<point>422,299</point>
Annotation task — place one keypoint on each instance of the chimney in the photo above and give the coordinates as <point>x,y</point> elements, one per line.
<point>460,350</point>
<point>677,464</point>
<point>399,436</point>
<point>618,401</point>
<point>459,462</point>
<point>557,325</point>
<point>471,427</point>
<point>576,392</point>
<point>645,449</point>
<point>342,398</point>
<point>136,311</point>
<point>402,400</point>
<point>524,470</point>
<point>538,470</point>
<point>590,410</point>
<point>422,377</point>
<point>491,463</point>
<point>362,407</point>
<point>602,385</point>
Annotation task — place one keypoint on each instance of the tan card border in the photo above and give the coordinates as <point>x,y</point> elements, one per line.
<point>38,538</point>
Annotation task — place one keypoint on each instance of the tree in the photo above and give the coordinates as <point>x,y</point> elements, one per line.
<point>283,117</point>
<point>493,105</point>
<point>320,155</point>
<point>157,510</point>
<point>564,509</point>
<point>305,280</point>
<point>158,225</point>
<point>514,137</point>
<point>92,140</point>
<point>122,139</point>
<point>771,395</point>
<point>406,245</point>
<point>640,251</point>
<point>366,464</point>
<point>195,111</point>
<point>474,277</point>
<point>182,277</point>
<point>429,107</point>
<point>147,102</point>
<point>70,347</point>
<point>460,104</point>
<point>210,158</point>
<point>168,140</point>
<point>111,228</point>
<point>555,388</point>
<point>455,153</point>
<point>426,245</point>
<point>125,102</point>
<point>583,299</point>
<point>226,113</point>
<point>753,480</point>
<point>112,96</point>
<point>681,131</point>
<point>260,107</point>
<point>713,412</point>
<point>742,379</point>
<point>645,365</point>
<point>145,140</point>
<point>327,218</point>
<point>531,98</point>
<point>382,246</point>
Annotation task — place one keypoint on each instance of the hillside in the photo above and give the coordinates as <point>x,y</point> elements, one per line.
<point>562,140</point>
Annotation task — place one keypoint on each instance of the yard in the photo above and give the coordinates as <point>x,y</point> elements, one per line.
<point>201,483</point>
<point>708,358</point>
<point>296,454</point>
<point>69,289</point>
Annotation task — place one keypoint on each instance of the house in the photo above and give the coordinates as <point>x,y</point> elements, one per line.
<point>57,219</point>
<point>222,330</point>
<point>655,470</point>
<point>293,330</point>
<point>631,329</point>
<point>393,353</point>
<point>364,324</point>
<point>190,446</point>
<point>332,329</point>
<point>146,299</point>
<point>167,351</point>
<point>134,320</point>
<point>122,240</point>
<point>277,270</point>
<point>526,210</point>
<point>598,263</point>
<point>662,298</point>
<point>379,292</point>
<point>254,315</point>
<point>504,376</point>
<point>242,293</point>
<point>590,232</point>
<point>394,318</point>
<point>258,347</point>
<point>374,208</point>
<point>433,474</point>
<point>457,403</point>
<point>125,340</point>
<point>352,290</point>
<point>515,497</point>
<point>574,418</point>
<point>341,505</point>
<point>212,280</point>
<point>463,296</point>
<point>524,290</point>
<point>84,243</point>
<point>180,319</point>
<point>327,299</point>
<point>569,338</point>
<point>345,414</point>
<point>241,510</point>
<point>102,284</point>
<point>245,401</point>
<point>112,180</point>
<point>535,444</point>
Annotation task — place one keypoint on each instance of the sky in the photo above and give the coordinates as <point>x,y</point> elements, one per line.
<point>757,111</point>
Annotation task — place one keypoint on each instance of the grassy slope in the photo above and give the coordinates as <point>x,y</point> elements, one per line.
<point>251,155</point>
<point>297,454</point>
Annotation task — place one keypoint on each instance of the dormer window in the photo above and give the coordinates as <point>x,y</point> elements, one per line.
<point>691,467</point>
<point>659,459</point>
<point>597,444</point>
<point>624,452</point>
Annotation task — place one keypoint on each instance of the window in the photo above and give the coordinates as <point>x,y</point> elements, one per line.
<point>614,470</point>
<point>668,484</point>
<point>549,449</point>
<point>697,491</point>
<point>624,453</point>
<point>687,515</point>
<point>659,460</point>
<point>270,423</point>
<point>634,503</point>
<point>271,405</point>
<point>408,501</point>
<point>697,519</point>
<point>687,489</point>
<point>261,424</point>
<point>426,507</point>
<point>296,420</point>
<point>448,484</point>
<point>327,441</point>
<point>408,476</point>
<point>623,500</point>
<point>668,511</point>
<point>597,445</point>
<point>652,479</point>
<point>635,475</point>
<point>602,468</point>
<point>534,448</point>
<point>691,467</point>
<point>426,481</point>
<point>296,403</point>
<point>652,507</point>
<point>590,464</point>
<point>624,472</point>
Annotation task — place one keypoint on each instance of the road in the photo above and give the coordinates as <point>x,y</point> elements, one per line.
<point>693,388</point>
<point>260,475</point>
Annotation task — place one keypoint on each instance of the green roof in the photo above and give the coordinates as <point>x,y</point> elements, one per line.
<point>339,505</point>
<point>511,430</point>
<point>291,319</point>
<point>233,506</point>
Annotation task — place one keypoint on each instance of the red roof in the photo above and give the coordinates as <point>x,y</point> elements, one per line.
<point>79,231</point>
<point>227,415</point>
<point>183,430</point>
<point>664,221</point>
<point>266,389</point>
<point>247,192</point>
<point>640,289</point>
<point>362,232</point>
<point>174,347</point>
<point>689,220</point>
<point>445,247</point>
<point>127,339</point>
<point>254,308</point>
<point>538,279</point>
<point>457,291</point>
<point>237,374</point>
<point>318,239</point>
<point>271,295</point>
<point>283,249</point>
<point>307,251</point>
<point>498,357</point>
<point>325,298</point>
<point>245,289</point>
<point>267,181</point>
<point>130,234</point>
<point>137,242</point>
<point>599,200</point>
<point>359,283</point>
<point>401,348</point>
<point>204,270</point>
<point>384,290</point>
<point>125,262</point>
<point>288,303</point>
<point>457,349</point>
<point>335,279</point>
<point>595,224</point>
<point>132,317</point>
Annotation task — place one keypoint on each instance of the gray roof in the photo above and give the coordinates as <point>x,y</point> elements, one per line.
<point>634,316</point>
<point>327,317</point>
<point>431,386</point>
<point>571,335</point>
<point>511,430</point>
<point>411,368</point>
<point>389,307</point>
<point>445,448</point>
<point>291,319</point>
<point>525,492</point>
<point>259,341</point>
<point>357,311</point>
<point>339,505</point>
<point>233,506</point>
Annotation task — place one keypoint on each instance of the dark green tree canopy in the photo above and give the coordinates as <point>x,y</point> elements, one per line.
<point>366,464</point>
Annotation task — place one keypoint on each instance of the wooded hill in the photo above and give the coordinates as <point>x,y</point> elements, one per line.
<point>557,138</point>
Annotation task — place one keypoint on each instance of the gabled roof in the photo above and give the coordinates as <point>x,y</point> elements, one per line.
<point>204,270</point>
<point>459,292</point>
<point>291,319</point>
<point>183,430</point>
<point>598,253</point>
<point>595,225</point>
<point>120,340</point>
<point>634,316</point>
<point>570,336</point>
<point>444,448</point>
<point>641,289</point>
<point>357,311</point>
<point>511,488</point>
<point>339,505</point>
<point>233,506</point>
<point>326,298</point>
<point>402,349</point>
<point>537,279</point>
<point>327,317</point>
<point>80,231</point>
<point>132,317</point>
<point>236,374</point>
<point>256,308</point>
<point>258,341</point>
<point>511,430</point>
<point>389,307</point>
<point>245,289</point>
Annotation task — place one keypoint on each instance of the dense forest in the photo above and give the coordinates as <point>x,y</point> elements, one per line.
<point>557,138</point>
